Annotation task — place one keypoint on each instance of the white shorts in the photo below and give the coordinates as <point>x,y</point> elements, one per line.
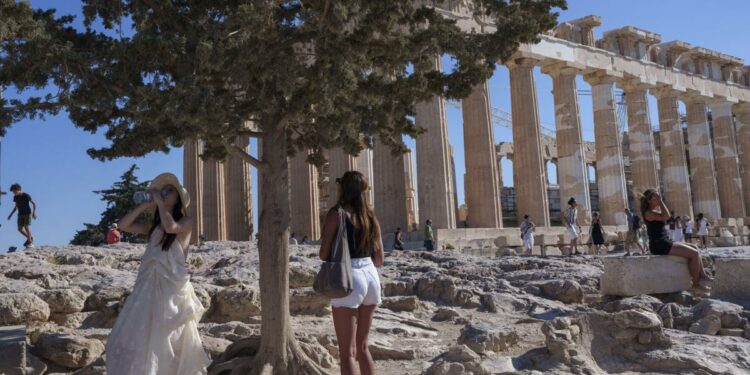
<point>703,232</point>
<point>528,241</point>
<point>572,232</point>
<point>365,288</point>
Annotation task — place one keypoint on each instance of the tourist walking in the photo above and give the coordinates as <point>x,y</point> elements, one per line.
<point>398,243</point>
<point>429,243</point>
<point>672,222</point>
<point>304,241</point>
<point>654,212</point>
<point>157,330</point>
<point>293,239</point>
<point>26,208</point>
<point>702,222</point>
<point>527,228</point>
<point>113,235</point>
<point>597,233</point>
<point>687,227</point>
<point>631,238</point>
<point>570,219</point>
<point>352,315</point>
<point>679,230</point>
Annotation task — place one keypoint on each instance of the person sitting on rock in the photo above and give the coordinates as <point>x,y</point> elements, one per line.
<point>655,215</point>
<point>352,315</point>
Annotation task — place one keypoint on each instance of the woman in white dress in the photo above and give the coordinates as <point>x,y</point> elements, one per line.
<point>157,330</point>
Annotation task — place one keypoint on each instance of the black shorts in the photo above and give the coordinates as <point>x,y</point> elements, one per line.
<point>23,220</point>
<point>660,247</point>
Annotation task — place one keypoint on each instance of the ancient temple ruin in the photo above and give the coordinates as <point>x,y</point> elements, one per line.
<point>700,162</point>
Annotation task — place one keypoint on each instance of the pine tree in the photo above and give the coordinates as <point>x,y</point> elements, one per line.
<point>298,75</point>
<point>119,200</point>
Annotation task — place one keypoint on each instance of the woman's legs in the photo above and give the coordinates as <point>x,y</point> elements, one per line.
<point>364,321</point>
<point>345,324</point>
<point>695,264</point>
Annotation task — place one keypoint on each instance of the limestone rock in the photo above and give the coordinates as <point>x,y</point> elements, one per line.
<point>444,314</point>
<point>481,338</point>
<point>727,312</point>
<point>639,319</point>
<point>642,302</point>
<point>566,291</point>
<point>401,303</point>
<point>305,301</point>
<point>66,301</point>
<point>709,325</point>
<point>68,350</point>
<point>301,276</point>
<point>214,346</point>
<point>633,276</point>
<point>238,302</point>
<point>17,308</point>
<point>103,296</point>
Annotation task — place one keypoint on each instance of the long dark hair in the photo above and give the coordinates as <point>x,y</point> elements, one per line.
<point>645,197</point>
<point>167,238</point>
<point>352,193</point>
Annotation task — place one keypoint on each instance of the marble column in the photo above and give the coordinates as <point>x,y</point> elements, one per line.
<point>702,174</point>
<point>610,172</point>
<point>729,184</point>
<point>412,208</point>
<point>339,163</point>
<point>529,179</point>
<point>238,204</point>
<point>389,188</point>
<point>434,176</point>
<point>672,159</point>
<point>641,138</point>
<point>303,183</point>
<point>192,170</point>
<point>364,164</point>
<point>742,113</point>
<point>214,213</point>
<point>481,178</point>
<point>571,166</point>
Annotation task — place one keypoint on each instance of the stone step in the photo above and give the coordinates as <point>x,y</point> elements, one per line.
<point>15,358</point>
<point>632,276</point>
<point>13,349</point>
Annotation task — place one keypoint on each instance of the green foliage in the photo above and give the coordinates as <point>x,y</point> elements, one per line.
<point>323,72</point>
<point>119,200</point>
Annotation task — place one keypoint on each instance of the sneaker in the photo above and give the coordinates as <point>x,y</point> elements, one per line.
<point>628,254</point>
<point>27,243</point>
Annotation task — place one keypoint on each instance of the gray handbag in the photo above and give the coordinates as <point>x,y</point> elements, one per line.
<point>334,280</point>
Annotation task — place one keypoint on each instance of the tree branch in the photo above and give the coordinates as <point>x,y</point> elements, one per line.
<point>251,133</point>
<point>238,151</point>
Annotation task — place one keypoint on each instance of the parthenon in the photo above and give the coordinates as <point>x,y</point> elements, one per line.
<point>701,164</point>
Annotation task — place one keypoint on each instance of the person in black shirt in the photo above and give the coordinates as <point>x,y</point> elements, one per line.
<point>24,204</point>
<point>655,215</point>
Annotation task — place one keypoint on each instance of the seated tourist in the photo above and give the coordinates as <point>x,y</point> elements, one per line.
<point>655,215</point>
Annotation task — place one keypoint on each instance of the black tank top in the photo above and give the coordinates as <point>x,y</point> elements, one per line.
<point>354,236</point>
<point>658,237</point>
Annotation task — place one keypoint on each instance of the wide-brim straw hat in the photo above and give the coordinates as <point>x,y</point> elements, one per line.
<point>165,179</point>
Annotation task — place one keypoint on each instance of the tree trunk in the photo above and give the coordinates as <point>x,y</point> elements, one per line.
<point>279,352</point>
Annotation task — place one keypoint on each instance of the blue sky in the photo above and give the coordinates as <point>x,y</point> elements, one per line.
<point>48,156</point>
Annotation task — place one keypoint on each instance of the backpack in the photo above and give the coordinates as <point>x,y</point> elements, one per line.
<point>636,222</point>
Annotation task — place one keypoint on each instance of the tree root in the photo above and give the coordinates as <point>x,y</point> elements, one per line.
<point>242,358</point>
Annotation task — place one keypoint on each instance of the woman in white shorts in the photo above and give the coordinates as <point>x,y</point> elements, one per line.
<point>352,315</point>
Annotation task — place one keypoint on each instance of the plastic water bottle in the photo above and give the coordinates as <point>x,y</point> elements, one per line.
<point>142,197</point>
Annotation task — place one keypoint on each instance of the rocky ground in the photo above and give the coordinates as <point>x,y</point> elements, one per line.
<point>443,313</point>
